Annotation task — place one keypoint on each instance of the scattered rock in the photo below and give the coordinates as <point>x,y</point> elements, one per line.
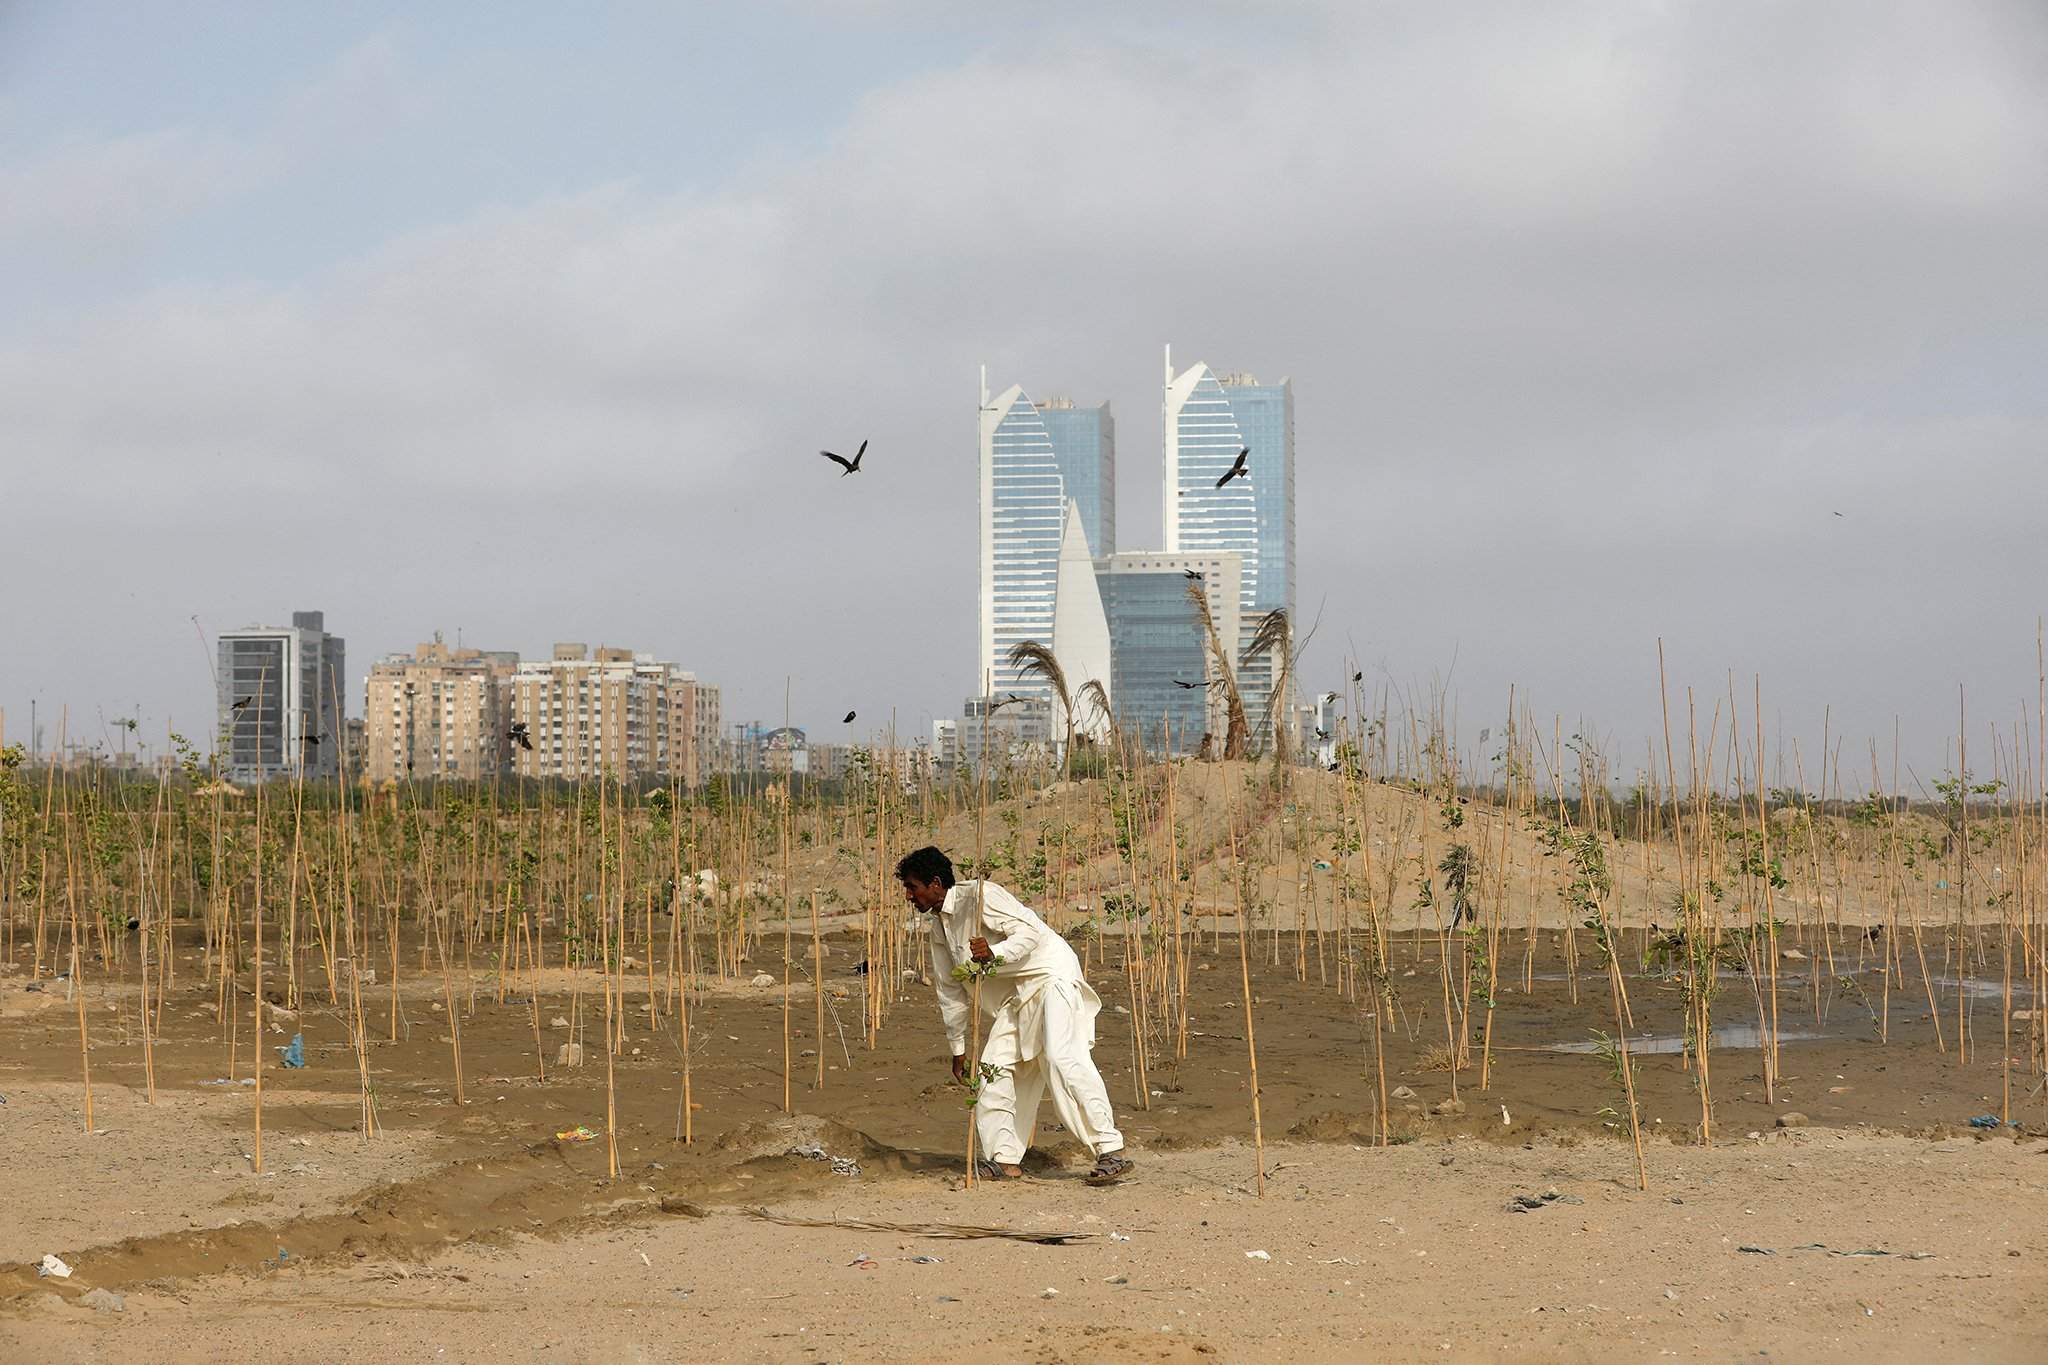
<point>1402,1092</point>
<point>763,979</point>
<point>1049,1293</point>
<point>104,1301</point>
<point>1258,1255</point>
<point>569,1054</point>
<point>1792,1119</point>
<point>559,1021</point>
<point>1448,1107</point>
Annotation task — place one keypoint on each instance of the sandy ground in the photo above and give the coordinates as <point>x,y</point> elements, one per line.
<point>467,1231</point>
<point>1407,1253</point>
<point>183,1162</point>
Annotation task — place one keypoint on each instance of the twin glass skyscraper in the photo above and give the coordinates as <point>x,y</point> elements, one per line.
<point>1048,495</point>
<point>1208,418</point>
<point>1036,459</point>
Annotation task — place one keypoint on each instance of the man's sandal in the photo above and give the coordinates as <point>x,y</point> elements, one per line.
<point>1110,1167</point>
<point>989,1170</point>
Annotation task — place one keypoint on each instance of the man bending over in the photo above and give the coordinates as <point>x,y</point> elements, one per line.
<point>1041,1013</point>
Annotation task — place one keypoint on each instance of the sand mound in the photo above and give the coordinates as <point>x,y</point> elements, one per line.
<point>777,1136</point>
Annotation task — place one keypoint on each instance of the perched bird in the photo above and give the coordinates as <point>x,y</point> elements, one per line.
<point>847,466</point>
<point>1322,734</point>
<point>1333,767</point>
<point>848,720</point>
<point>1358,676</point>
<point>1874,932</point>
<point>1237,470</point>
<point>1191,575</point>
<point>240,702</point>
<point>517,734</point>
<point>999,705</point>
<point>1329,697</point>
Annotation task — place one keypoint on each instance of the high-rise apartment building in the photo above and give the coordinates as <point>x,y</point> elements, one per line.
<point>438,713</point>
<point>280,701</point>
<point>1157,642</point>
<point>693,729</point>
<point>612,712</point>
<point>1036,459</point>
<point>1207,419</point>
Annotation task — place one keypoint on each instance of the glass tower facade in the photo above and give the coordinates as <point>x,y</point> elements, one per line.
<point>1155,637</point>
<point>1208,419</point>
<point>1034,459</point>
<point>1084,444</point>
<point>280,710</point>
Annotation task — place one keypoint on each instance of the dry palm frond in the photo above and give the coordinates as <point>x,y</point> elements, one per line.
<point>1033,660</point>
<point>1234,737</point>
<point>1094,694</point>
<point>1274,636</point>
<point>953,1230</point>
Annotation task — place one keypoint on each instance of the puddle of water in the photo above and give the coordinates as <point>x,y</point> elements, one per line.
<point>1726,1036</point>
<point>1983,987</point>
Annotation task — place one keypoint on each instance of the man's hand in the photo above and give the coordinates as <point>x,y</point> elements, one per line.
<point>977,948</point>
<point>960,1069</point>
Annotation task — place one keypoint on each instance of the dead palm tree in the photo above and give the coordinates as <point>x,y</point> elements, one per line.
<point>1234,735</point>
<point>1094,694</point>
<point>1274,636</point>
<point>1033,660</point>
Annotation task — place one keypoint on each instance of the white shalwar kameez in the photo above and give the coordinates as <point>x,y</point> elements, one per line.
<point>1041,1023</point>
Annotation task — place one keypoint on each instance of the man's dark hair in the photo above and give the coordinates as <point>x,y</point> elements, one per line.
<point>926,864</point>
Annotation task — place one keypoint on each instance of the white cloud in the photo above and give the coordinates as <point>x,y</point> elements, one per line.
<point>1558,279</point>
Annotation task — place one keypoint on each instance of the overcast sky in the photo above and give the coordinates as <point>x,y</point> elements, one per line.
<point>527,324</point>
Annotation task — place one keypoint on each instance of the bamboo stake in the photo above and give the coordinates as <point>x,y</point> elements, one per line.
<point>818,984</point>
<point>1250,1036</point>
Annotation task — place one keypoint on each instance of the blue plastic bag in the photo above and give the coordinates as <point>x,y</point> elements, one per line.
<point>294,1053</point>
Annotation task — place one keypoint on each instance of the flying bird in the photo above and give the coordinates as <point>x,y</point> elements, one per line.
<point>1322,734</point>
<point>1191,575</point>
<point>847,466</point>
<point>241,702</point>
<point>517,734</point>
<point>848,720</point>
<point>310,739</point>
<point>1329,697</point>
<point>1237,470</point>
<point>1190,686</point>
<point>1838,514</point>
